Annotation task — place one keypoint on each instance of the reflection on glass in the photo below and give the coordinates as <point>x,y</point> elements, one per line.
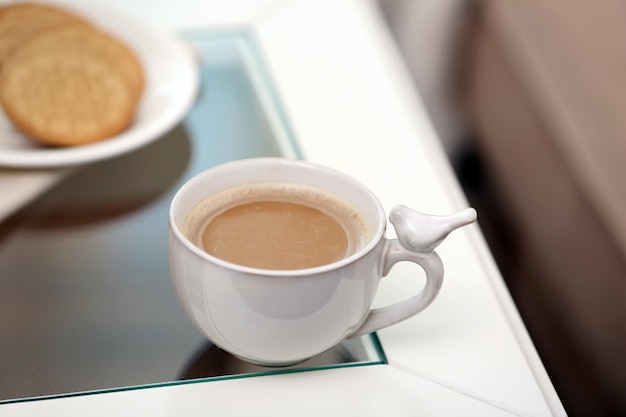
<point>86,301</point>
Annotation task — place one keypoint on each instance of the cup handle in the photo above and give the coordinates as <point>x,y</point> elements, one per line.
<point>418,235</point>
<point>379,318</point>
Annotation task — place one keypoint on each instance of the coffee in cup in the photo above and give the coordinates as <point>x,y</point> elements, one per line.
<point>277,225</point>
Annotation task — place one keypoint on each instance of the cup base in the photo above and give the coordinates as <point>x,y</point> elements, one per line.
<point>271,364</point>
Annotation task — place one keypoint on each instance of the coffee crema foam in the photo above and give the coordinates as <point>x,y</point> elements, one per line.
<point>277,226</point>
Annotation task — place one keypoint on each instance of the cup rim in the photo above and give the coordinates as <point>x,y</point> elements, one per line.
<point>376,237</point>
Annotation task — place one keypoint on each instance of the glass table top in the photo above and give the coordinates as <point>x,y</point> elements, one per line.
<point>86,301</point>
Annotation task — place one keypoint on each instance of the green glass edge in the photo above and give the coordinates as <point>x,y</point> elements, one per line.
<point>373,338</point>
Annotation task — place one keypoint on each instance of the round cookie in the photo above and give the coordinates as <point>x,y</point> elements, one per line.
<point>86,40</point>
<point>70,85</point>
<point>20,20</point>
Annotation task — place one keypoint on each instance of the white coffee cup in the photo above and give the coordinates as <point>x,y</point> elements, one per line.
<point>282,317</point>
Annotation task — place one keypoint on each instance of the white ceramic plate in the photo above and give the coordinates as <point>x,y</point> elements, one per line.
<point>172,81</point>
